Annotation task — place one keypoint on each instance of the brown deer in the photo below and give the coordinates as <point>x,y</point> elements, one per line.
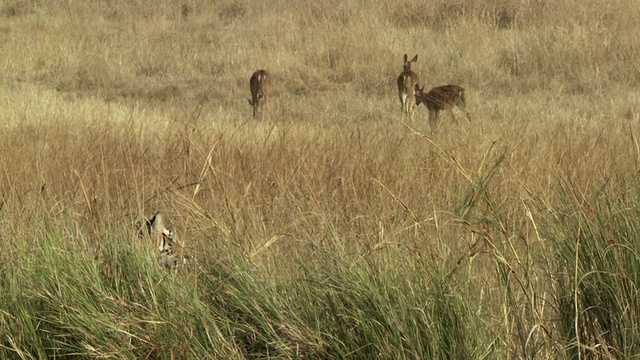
<point>260,85</point>
<point>441,98</point>
<point>406,86</point>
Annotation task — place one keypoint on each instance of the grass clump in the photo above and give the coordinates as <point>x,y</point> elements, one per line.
<point>597,274</point>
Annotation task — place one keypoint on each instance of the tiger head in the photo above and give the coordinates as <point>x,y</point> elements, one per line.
<point>170,253</point>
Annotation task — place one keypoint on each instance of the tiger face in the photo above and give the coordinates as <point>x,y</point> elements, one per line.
<point>170,253</point>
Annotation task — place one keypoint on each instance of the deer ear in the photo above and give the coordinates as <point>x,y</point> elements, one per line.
<point>415,58</point>
<point>406,58</point>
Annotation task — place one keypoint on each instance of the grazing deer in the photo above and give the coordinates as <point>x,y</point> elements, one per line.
<point>406,86</point>
<point>441,98</point>
<point>260,85</point>
<point>170,253</point>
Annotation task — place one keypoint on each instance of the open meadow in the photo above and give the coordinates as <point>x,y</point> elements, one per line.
<point>333,227</point>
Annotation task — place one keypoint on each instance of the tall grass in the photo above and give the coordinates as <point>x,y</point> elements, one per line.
<point>334,228</point>
<point>596,270</point>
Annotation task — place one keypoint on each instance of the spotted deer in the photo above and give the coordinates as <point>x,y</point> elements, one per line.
<point>406,86</point>
<point>260,85</point>
<point>441,98</point>
<point>170,253</point>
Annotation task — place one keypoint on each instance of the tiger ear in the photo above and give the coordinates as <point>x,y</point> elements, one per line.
<point>156,225</point>
<point>152,222</point>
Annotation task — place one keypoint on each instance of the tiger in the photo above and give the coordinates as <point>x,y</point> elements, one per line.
<point>170,254</point>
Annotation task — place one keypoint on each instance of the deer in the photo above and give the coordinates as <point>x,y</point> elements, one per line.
<point>441,98</point>
<point>406,86</point>
<point>260,85</point>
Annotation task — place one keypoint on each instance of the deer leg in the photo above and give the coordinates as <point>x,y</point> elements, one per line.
<point>412,107</point>
<point>403,103</point>
<point>265,107</point>
<point>453,116</point>
<point>433,120</point>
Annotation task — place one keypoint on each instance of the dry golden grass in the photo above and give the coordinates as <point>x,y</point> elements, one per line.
<point>112,110</point>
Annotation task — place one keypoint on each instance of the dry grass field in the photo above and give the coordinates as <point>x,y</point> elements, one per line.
<point>333,227</point>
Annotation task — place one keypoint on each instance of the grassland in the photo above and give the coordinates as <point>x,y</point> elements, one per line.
<point>334,228</point>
